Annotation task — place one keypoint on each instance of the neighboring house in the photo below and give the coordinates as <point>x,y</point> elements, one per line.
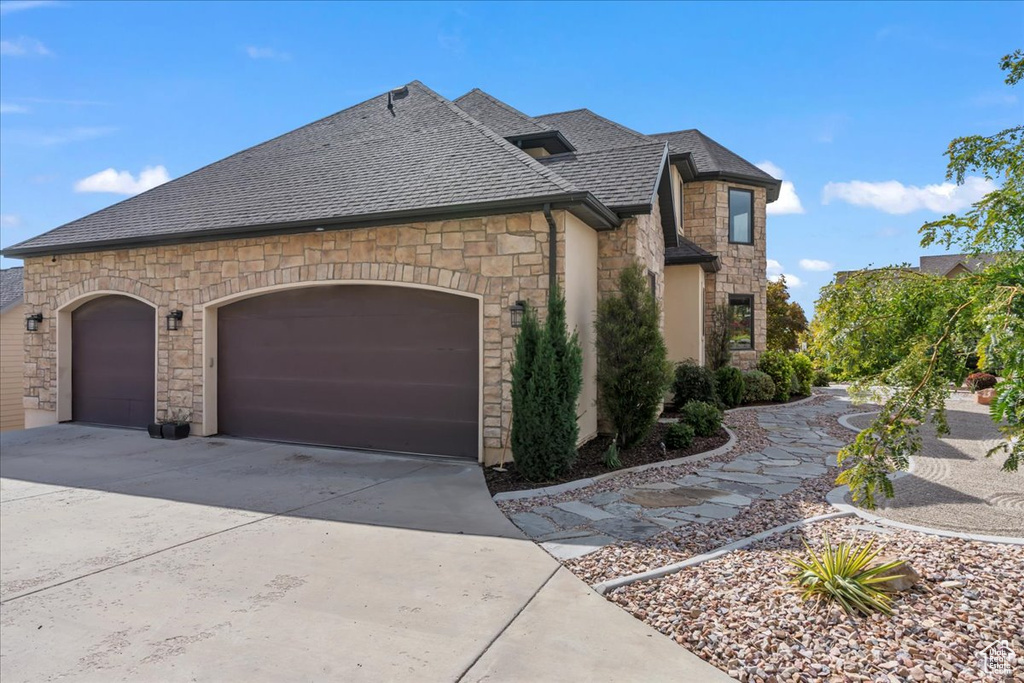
<point>945,265</point>
<point>12,349</point>
<point>207,294</point>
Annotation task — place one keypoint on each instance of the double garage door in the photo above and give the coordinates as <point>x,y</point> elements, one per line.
<point>374,367</point>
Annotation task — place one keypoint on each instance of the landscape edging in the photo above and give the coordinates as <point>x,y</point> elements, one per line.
<point>589,481</point>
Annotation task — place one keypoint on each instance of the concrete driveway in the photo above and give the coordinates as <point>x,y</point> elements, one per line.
<point>127,558</point>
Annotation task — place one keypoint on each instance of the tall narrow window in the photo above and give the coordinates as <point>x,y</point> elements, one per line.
<point>652,279</point>
<point>741,216</point>
<point>741,322</point>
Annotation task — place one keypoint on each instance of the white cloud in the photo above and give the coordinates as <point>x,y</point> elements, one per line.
<point>23,47</point>
<point>123,182</point>
<point>20,5</point>
<point>9,220</point>
<point>774,267</point>
<point>788,201</point>
<point>255,52</point>
<point>792,281</point>
<point>6,108</point>
<point>894,197</point>
<point>815,264</point>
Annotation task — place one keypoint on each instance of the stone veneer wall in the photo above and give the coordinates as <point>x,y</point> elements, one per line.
<point>501,258</point>
<point>706,222</point>
<point>639,238</point>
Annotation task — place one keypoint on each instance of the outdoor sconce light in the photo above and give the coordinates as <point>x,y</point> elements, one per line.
<point>174,320</point>
<point>32,322</point>
<point>516,312</point>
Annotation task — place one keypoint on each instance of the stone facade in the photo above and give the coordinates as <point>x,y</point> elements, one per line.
<point>744,266</point>
<point>498,258</point>
<point>639,238</point>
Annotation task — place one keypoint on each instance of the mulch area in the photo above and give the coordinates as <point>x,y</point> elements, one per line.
<point>590,459</point>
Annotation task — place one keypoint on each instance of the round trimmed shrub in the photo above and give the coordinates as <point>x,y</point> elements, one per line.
<point>757,386</point>
<point>679,435</point>
<point>776,365</point>
<point>821,378</point>
<point>705,418</point>
<point>693,382</point>
<point>729,386</point>
<point>803,371</point>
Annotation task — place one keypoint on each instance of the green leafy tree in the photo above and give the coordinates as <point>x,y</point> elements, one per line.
<point>786,319</point>
<point>905,337</point>
<point>547,375</point>
<point>633,371</point>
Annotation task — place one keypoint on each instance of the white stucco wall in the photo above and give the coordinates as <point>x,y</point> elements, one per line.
<point>684,316</point>
<point>580,308</point>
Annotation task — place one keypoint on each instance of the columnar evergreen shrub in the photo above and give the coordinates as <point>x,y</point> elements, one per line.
<point>729,386</point>
<point>776,365</point>
<point>679,435</point>
<point>693,382</point>
<point>632,363</point>
<point>547,375</point>
<point>803,371</point>
<point>705,418</point>
<point>757,386</point>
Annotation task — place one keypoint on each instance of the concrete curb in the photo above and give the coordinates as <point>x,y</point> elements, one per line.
<point>589,481</point>
<point>837,499</point>
<point>606,586</point>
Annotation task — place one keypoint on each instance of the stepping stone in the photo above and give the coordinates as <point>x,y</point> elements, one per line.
<point>737,487</point>
<point>733,499</point>
<point>570,533</point>
<point>742,477</point>
<point>623,509</point>
<point>693,480</point>
<point>783,463</point>
<point>678,496</point>
<point>741,466</point>
<point>774,452</point>
<point>566,520</point>
<point>661,486</point>
<point>711,511</point>
<point>605,498</point>
<point>715,466</point>
<point>627,529</point>
<point>584,510</point>
<point>681,516</point>
<point>534,525</point>
<point>667,522</point>
<point>576,547</point>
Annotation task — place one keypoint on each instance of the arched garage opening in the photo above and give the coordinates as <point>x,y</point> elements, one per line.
<point>361,366</point>
<point>113,361</point>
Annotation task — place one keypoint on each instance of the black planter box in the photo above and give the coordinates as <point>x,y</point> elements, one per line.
<point>175,431</point>
<point>155,430</point>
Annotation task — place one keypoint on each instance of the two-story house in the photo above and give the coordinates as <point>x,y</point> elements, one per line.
<point>355,282</point>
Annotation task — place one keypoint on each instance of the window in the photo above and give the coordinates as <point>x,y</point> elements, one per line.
<point>741,322</point>
<point>741,216</point>
<point>653,280</point>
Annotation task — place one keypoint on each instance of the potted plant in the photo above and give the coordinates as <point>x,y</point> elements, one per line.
<point>983,385</point>
<point>155,430</point>
<point>178,426</point>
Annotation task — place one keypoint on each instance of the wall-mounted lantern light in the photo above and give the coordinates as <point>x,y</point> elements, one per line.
<point>174,320</point>
<point>516,313</point>
<point>32,322</point>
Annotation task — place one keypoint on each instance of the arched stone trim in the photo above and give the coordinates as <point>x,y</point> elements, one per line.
<point>440,278</point>
<point>257,284</point>
<point>70,300</point>
<point>83,291</point>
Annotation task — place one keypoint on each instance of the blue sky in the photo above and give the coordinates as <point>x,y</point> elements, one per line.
<point>855,103</point>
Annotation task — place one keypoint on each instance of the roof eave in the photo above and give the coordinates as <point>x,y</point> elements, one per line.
<point>770,184</point>
<point>583,204</point>
<point>710,263</point>
<point>561,144</point>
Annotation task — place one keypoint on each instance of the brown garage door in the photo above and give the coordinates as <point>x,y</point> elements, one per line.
<point>112,356</point>
<point>385,368</point>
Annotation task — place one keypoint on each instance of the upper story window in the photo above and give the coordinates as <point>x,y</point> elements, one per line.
<point>741,216</point>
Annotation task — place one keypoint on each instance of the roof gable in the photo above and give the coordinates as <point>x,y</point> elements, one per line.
<point>503,119</point>
<point>711,159</point>
<point>589,132</point>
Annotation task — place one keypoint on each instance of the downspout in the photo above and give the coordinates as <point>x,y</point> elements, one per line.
<point>552,250</point>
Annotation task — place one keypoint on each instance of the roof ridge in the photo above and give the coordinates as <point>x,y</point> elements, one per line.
<point>567,111</point>
<point>517,153</point>
<point>504,105</point>
<point>621,127</point>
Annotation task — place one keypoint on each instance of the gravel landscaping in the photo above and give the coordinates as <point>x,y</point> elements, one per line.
<point>739,613</point>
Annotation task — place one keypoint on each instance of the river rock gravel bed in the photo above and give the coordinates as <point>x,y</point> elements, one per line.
<point>739,612</point>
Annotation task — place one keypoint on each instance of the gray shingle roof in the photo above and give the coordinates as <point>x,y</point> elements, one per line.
<point>504,120</point>
<point>943,263</point>
<point>688,252</point>
<point>621,177</point>
<point>589,132</point>
<point>12,287</point>
<point>710,157</point>
<point>362,161</point>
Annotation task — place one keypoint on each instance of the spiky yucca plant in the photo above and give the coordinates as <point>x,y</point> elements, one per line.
<point>844,574</point>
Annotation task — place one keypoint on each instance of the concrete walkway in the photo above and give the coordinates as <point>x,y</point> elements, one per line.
<point>125,558</point>
<point>952,485</point>
<point>799,450</point>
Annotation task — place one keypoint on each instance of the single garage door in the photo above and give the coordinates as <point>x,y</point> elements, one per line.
<point>360,366</point>
<point>112,362</point>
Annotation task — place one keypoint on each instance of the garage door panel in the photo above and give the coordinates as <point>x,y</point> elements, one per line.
<point>386,368</point>
<point>112,362</point>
